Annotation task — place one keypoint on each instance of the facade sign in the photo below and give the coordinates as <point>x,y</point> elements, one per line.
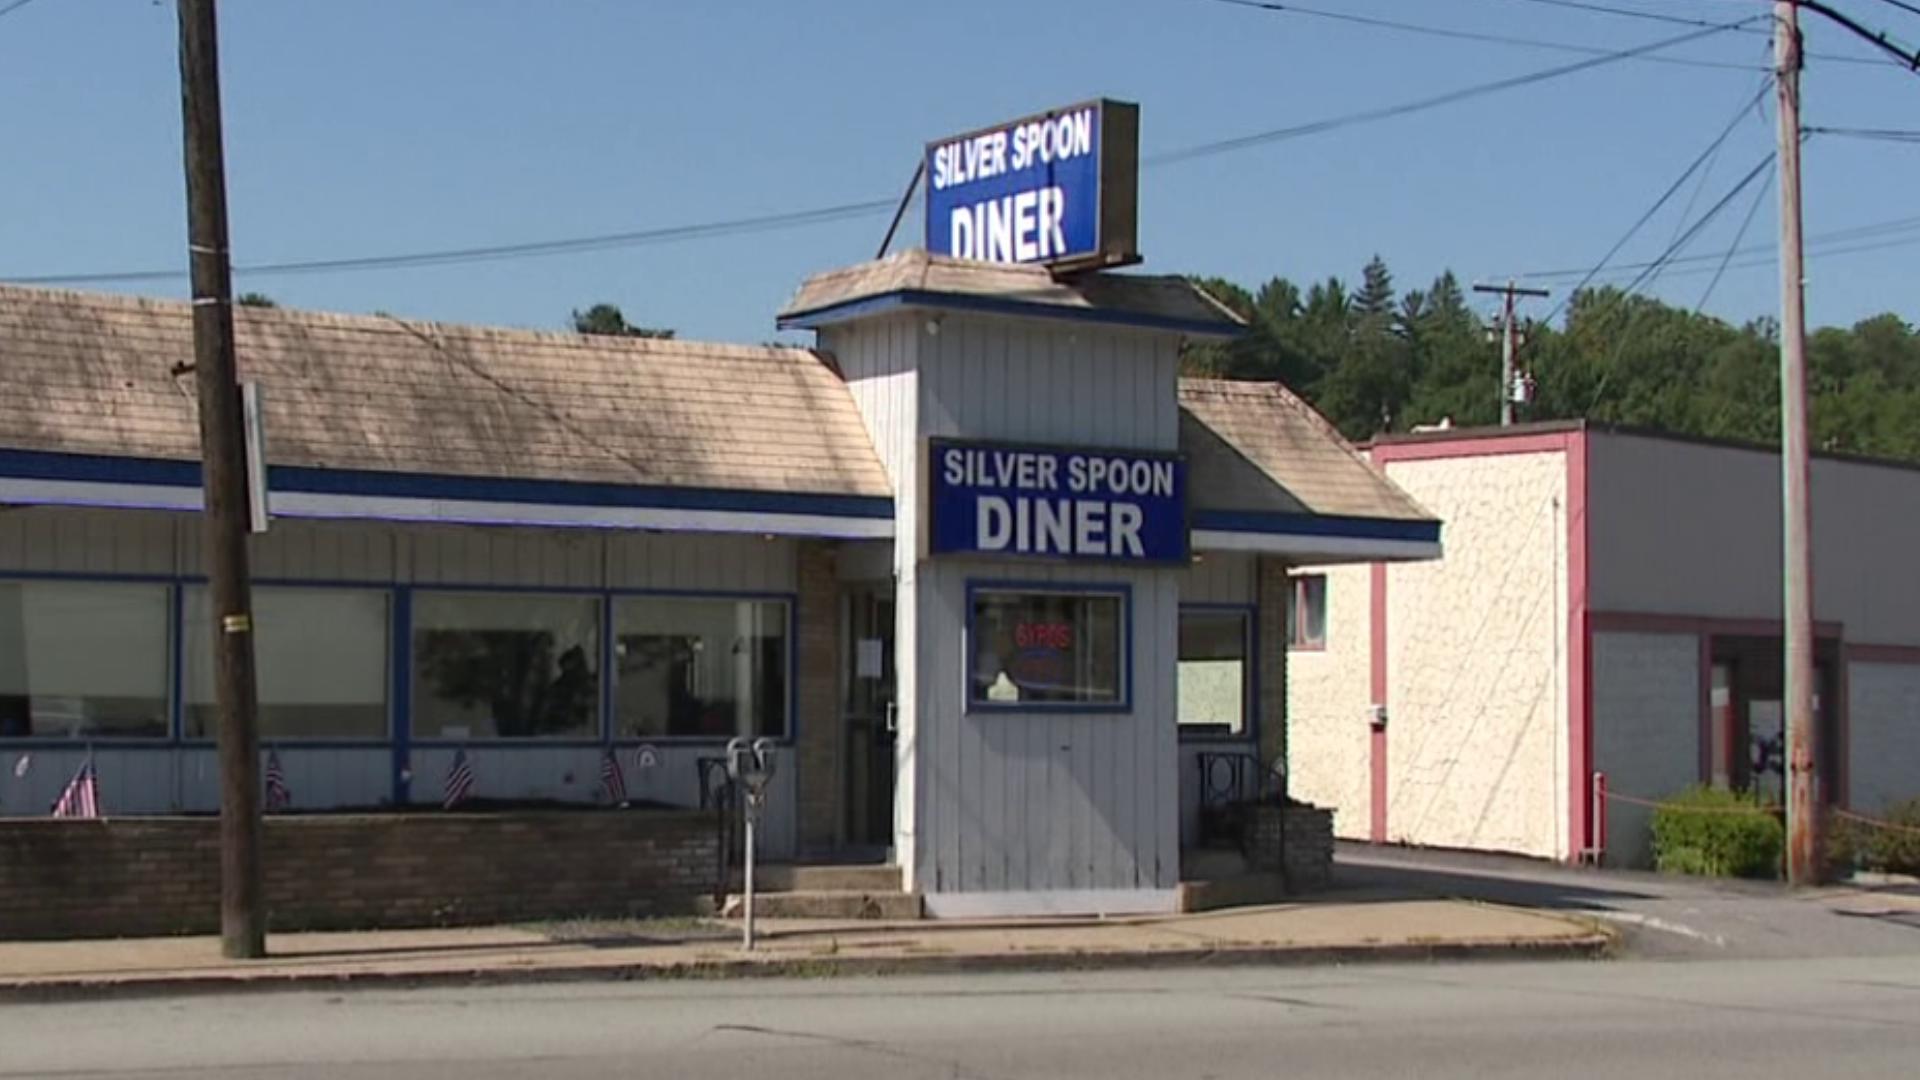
<point>1060,189</point>
<point>995,499</point>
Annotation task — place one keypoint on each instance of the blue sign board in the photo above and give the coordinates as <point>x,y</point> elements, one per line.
<point>1059,188</point>
<point>1114,505</point>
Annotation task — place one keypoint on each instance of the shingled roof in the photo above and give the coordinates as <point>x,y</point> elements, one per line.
<point>916,278</point>
<point>92,374</point>
<point>1256,447</point>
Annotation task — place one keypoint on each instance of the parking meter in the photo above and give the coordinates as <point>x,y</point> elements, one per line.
<point>751,766</point>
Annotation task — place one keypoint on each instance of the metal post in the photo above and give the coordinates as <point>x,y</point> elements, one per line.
<point>224,477</point>
<point>747,923</point>
<point>1804,863</point>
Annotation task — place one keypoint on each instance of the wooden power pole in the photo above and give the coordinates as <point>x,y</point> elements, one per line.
<point>1509,342</point>
<point>243,922</point>
<point>1805,859</point>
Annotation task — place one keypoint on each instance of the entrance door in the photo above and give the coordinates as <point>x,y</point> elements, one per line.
<point>870,717</point>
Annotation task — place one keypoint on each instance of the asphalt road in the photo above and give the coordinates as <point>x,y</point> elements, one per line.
<point>1669,918</point>
<point>1838,1018</point>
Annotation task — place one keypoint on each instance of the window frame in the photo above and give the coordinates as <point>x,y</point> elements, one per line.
<point>790,687</point>
<point>393,653</point>
<point>172,660</point>
<point>1297,586</point>
<point>1249,679</point>
<point>1119,590</point>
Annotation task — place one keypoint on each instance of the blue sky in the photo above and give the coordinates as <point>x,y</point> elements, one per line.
<point>368,127</point>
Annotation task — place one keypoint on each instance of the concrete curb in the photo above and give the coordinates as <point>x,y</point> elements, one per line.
<point>1592,946</point>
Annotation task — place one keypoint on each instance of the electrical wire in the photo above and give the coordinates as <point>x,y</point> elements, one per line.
<point>1471,35</point>
<point>1316,127</point>
<point>1858,232</point>
<point>1877,38</point>
<point>1882,134</point>
<point>1713,148</point>
<point>1759,196</point>
<point>1682,20</point>
<point>13,7</point>
<point>844,211</point>
<point>1903,6</point>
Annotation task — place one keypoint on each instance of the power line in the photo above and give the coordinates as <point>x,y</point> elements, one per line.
<point>529,249</point>
<point>1753,208</point>
<point>1405,108</point>
<point>1858,232</point>
<point>1877,38</point>
<point>1882,134</point>
<point>1471,35</point>
<point>1682,20</point>
<point>605,241</point>
<point>13,7</point>
<point>1704,156</point>
<point>1653,271</point>
<point>1903,6</point>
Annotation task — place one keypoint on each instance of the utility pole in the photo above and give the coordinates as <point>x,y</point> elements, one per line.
<point>243,922</point>
<point>1804,858</point>
<point>1509,343</point>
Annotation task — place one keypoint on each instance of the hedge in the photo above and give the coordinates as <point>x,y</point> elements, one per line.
<point>1717,833</point>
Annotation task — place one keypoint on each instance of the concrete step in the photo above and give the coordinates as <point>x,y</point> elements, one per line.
<point>827,904</point>
<point>792,877</point>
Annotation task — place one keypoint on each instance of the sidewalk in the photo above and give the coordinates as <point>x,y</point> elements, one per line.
<point>1329,930</point>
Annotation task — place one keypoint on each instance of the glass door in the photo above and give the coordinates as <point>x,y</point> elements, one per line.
<point>870,717</point>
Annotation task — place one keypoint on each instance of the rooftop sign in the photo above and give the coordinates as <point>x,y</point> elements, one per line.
<point>1059,189</point>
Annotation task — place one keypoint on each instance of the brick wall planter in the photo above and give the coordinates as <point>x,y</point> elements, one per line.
<point>1294,840</point>
<point>161,875</point>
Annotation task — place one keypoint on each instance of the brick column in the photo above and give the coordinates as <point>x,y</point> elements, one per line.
<point>1274,593</point>
<point>819,756</point>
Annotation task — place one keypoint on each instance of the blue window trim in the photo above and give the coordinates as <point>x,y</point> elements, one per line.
<point>1121,589</point>
<point>155,472</point>
<point>1250,710</point>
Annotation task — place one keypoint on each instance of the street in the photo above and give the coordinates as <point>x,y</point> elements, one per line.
<point>1834,1018</point>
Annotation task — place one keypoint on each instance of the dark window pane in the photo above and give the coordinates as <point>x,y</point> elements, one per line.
<point>700,667</point>
<point>83,660</point>
<point>503,665</point>
<point>1043,648</point>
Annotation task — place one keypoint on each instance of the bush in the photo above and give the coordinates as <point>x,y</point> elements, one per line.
<point>1716,833</point>
<point>1890,851</point>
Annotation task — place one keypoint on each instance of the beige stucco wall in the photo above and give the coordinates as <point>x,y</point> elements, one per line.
<point>1477,730</point>
<point>1328,696</point>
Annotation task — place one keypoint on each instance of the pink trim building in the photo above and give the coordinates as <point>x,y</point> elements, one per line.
<point>1609,601</point>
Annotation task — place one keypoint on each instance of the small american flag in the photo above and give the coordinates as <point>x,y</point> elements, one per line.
<point>459,781</point>
<point>612,780</point>
<point>81,799</point>
<point>279,796</point>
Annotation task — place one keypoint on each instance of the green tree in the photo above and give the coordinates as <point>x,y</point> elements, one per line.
<point>608,320</point>
<point>255,299</point>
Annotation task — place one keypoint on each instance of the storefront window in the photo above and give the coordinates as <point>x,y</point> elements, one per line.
<point>320,658</point>
<point>1307,614</point>
<point>1213,671</point>
<point>699,667</point>
<point>1040,648</point>
<point>83,660</point>
<point>505,665</point>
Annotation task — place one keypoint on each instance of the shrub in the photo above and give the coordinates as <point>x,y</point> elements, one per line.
<point>1892,851</point>
<point>1716,833</point>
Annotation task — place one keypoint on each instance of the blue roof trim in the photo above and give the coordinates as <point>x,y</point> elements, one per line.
<point>905,298</point>
<point>1355,528</point>
<point>101,468</point>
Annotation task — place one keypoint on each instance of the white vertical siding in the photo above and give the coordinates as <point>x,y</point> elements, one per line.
<point>1042,802</point>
